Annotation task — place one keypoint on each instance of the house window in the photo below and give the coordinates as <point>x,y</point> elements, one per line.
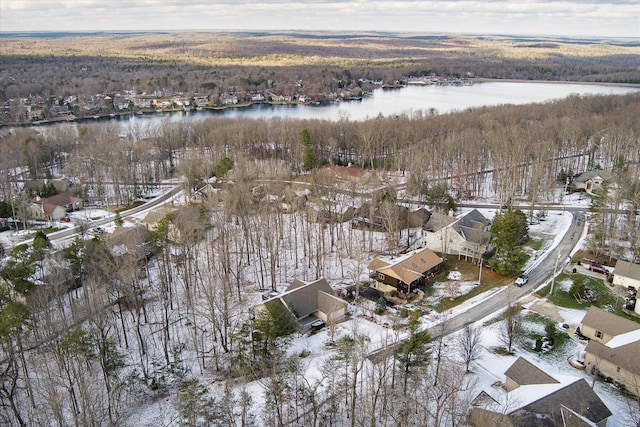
<point>599,334</point>
<point>380,276</point>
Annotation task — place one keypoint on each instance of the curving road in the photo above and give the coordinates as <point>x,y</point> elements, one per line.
<point>72,231</point>
<point>549,263</point>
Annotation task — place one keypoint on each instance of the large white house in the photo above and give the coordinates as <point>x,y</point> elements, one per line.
<point>465,236</point>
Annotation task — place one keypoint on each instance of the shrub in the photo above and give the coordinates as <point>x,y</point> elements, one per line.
<point>538,347</point>
<point>550,330</point>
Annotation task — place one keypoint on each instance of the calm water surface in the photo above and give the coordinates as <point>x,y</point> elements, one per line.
<point>408,100</point>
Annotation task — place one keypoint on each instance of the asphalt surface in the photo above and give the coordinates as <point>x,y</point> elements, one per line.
<point>543,270</point>
<point>73,231</point>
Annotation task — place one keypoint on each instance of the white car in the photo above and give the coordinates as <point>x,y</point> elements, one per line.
<point>522,280</point>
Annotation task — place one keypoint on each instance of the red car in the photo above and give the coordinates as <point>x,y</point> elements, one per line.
<point>65,219</point>
<point>597,268</point>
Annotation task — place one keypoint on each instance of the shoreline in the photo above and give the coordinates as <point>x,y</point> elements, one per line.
<point>220,108</point>
<point>553,82</point>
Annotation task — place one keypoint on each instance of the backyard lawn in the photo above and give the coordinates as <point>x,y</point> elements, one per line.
<point>604,297</point>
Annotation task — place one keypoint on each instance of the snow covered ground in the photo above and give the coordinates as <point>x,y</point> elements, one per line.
<point>380,329</point>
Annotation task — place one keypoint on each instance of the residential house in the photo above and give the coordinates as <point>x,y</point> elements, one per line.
<point>152,219</point>
<point>418,218</point>
<point>335,214</point>
<point>227,99</point>
<point>55,207</point>
<point>140,102</point>
<point>627,274</point>
<point>592,180</point>
<point>185,224</point>
<point>380,217</point>
<point>36,114</point>
<point>308,302</point>
<point>465,236</point>
<point>129,240</point>
<point>351,173</point>
<point>405,273</point>
<point>36,185</point>
<point>201,101</point>
<point>188,225</point>
<point>532,398</point>
<point>613,348</point>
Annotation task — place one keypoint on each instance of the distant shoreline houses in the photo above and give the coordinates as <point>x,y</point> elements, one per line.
<point>37,109</point>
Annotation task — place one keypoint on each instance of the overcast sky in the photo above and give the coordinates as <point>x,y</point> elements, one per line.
<point>619,18</point>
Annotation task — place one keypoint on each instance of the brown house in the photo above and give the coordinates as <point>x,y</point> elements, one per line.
<point>406,272</point>
<point>613,349</point>
<point>55,207</point>
<point>533,398</point>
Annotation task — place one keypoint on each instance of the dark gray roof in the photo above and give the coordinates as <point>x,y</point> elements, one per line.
<point>589,175</point>
<point>474,219</point>
<point>547,411</point>
<point>524,372</point>
<point>473,235</point>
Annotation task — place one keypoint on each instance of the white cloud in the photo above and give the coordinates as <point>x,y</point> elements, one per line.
<point>574,17</point>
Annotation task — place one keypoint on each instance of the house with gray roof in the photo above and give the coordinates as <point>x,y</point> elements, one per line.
<point>467,236</point>
<point>592,180</point>
<point>533,398</point>
<point>613,348</point>
<point>308,302</point>
<point>523,372</point>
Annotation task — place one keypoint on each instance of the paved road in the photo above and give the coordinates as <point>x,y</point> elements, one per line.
<point>72,231</point>
<point>542,271</point>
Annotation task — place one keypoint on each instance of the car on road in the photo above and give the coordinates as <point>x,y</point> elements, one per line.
<point>65,219</point>
<point>522,280</point>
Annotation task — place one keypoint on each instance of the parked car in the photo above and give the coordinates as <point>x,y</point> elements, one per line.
<point>98,230</point>
<point>597,268</point>
<point>522,280</point>
<point>65,219</point>
<point>317,325</point>
<point>268,295</point>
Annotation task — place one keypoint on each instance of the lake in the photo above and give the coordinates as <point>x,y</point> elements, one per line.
<point>407,100</point>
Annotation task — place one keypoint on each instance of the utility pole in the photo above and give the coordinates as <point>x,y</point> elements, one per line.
<point>555,268</point>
